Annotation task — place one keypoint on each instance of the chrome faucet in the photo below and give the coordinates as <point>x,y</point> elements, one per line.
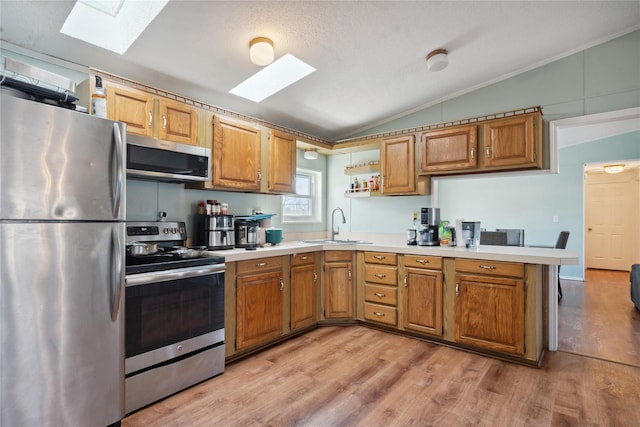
<point>344,221</point>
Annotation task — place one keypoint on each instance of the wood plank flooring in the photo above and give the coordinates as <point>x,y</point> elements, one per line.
<point>597,318</point>
<point>356,376</point>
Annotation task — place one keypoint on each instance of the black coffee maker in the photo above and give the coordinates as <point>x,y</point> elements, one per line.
<point>430,221</point>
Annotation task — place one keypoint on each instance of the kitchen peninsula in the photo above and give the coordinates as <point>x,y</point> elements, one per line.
<point>495,300</point>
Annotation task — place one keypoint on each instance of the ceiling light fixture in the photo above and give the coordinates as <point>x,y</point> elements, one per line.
<point>311,154</point>
<point>437,60</point>
<point>261,51</point>
<point>614,168</point>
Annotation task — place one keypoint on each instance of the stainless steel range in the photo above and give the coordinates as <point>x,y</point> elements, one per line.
<point>174,323</point>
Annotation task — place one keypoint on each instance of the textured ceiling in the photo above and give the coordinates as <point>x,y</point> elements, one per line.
<point>369,55</point>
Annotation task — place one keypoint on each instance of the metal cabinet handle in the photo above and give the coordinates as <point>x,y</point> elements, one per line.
<point>315,277</point>
<point>473,153</point>
<point>261,264</point>
<point>487,267</point>
<point>379,256</point>
<point>405,281</point>
<point>164,121</point>
<point>150,119</point>
<point>378,313</point>
<point>488,153</point>
<point>422,261</point>
<point>380,276</point>
<point>349,272</point>
<point>259,176</point>
<point>379,295</point>
<point>457,289</point>
<point>281,284</point>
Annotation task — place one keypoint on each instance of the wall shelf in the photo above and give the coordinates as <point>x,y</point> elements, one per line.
<point>361,194</point>
<point>363,169</point>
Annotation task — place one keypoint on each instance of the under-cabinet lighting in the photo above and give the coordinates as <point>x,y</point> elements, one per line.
<point>614,168</point>
<point>273,78</point>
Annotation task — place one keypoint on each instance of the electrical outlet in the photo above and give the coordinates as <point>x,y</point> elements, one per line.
<point>555,218</point>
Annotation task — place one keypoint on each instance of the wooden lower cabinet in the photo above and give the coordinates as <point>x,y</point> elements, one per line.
<point>381,287</point>
<point>490,309</point>
<point>422,302</point>
<point>259,301</point>
<point>304,291</point>
<point>338,285</point>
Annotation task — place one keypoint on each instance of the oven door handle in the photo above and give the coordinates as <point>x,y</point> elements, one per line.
<point>176,274</point>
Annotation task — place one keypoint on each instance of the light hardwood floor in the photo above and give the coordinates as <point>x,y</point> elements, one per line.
<point>357,376</point>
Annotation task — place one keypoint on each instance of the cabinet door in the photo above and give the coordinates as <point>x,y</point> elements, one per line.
<point>259,308</point>
<point>397,162</point>
<point>282,162</point>
<point>178,122</point>
<point>303,295</point>
<point>449,150</point>
<point>490,313</point>
<point>510,142</point>
<point>423,301</point>
<point>135,108</point>
<point>338,290</point>
<point>236,155</point>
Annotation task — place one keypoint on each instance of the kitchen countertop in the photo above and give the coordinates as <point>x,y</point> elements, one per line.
<point>530,255</point>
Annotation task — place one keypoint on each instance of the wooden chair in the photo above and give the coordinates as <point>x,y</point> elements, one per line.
<point>561,244</point>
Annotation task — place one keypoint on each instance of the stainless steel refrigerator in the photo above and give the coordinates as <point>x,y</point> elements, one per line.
<point>62,196</point>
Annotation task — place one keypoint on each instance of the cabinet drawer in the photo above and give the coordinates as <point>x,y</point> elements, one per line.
<point>419,261</point>
<point>380,274</point>
<point>381,294</point>
<point>492,268</point>
<point>259,264</point>
<point>380,258</point>
<point>338,256</point>
<point>303,259</point>
<point>381,313</point>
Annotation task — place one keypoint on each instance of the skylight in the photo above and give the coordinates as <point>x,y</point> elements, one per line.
<point>111,24</point>
<point>273,78</point>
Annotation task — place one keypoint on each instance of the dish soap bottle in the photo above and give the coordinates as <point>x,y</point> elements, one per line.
<point>99,100</point>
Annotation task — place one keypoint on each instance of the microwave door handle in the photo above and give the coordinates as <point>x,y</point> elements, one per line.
<point>117,193</point>
<point>118,282</point>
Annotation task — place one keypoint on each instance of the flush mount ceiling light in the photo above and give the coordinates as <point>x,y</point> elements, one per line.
<point>614,168</point>
<point>112,25</point>
<point>310,154</point>
<point>437,60</point>
<point>261,51</point>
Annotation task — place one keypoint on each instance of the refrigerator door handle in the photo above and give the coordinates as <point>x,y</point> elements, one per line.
<point>118,282</point>
<point>117,194</point>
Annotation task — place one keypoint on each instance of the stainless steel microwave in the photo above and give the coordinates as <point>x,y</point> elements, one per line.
<point>153,159</point>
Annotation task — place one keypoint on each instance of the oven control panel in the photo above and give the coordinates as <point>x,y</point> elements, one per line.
<point>150,231</point>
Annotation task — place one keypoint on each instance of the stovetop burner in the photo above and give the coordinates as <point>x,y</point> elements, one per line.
<point>167,234</point>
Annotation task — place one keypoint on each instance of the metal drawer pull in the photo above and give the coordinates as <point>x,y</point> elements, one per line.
<point>315,277</point>
<point>379,314</point>
<point>261,264</point>
<point>349,272</point>
<point>379,256</point>
<point>379,295</point>
<point>304,257</point>
<point>281,284</point>
<point>380,276</point>
<point>487,267</point>
<point>405,280</point>
<point>423,261</point>
<point>457,289</point>
<point>150,119</point>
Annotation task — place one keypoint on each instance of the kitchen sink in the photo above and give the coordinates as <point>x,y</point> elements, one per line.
<point>337,242</point>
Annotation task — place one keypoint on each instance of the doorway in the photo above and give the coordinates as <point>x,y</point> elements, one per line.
<point>611,217</point>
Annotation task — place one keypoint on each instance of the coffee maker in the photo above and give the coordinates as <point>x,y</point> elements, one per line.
<point>430,221</point>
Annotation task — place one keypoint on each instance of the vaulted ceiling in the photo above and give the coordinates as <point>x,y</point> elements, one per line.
<point>369,55</point>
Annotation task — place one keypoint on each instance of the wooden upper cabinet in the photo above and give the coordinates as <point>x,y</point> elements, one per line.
<point>397,162</point>
<point>236,155</point>
<point>513,142</point>
<point>449,149</point>
<point>133,107</point>
<point>282,162</point>
<point>178,122</point>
